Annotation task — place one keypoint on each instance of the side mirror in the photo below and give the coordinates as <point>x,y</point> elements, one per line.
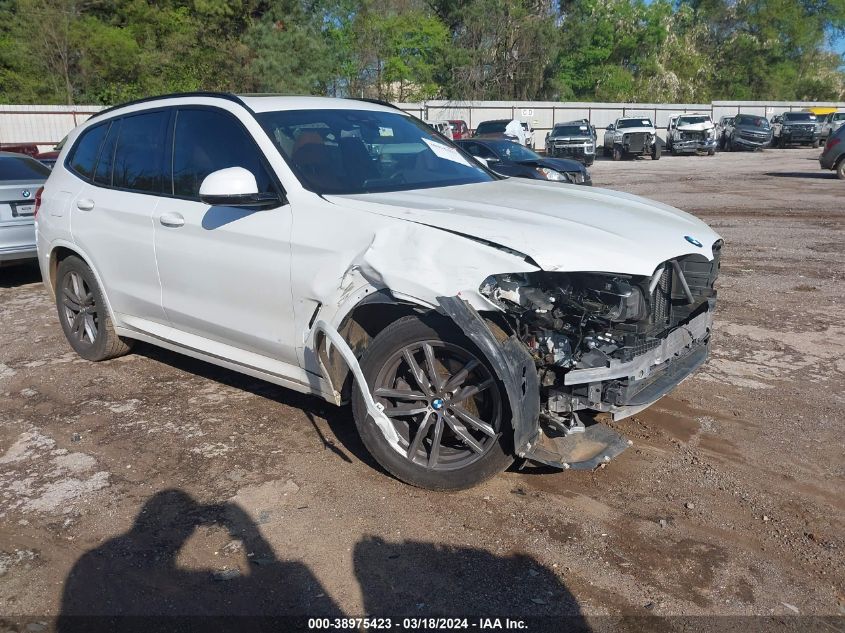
<point>234,187</point>
<point>611,127</point>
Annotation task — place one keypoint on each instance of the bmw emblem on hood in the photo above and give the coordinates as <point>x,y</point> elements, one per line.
<point>693,241</point>
<point>25,193</point>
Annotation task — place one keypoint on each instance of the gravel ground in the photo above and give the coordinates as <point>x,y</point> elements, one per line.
<point>158,484</point>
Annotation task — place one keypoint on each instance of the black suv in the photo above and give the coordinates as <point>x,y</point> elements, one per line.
<point>795,128</point>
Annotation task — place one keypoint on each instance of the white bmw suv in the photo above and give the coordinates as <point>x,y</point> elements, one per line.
<point>343,248</point>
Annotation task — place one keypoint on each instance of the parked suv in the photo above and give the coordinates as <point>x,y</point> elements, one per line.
<point>747,131</point>
<point>833,156</point>
<point>830,124</point>
<point>795,128</point>
<point>342,248</point>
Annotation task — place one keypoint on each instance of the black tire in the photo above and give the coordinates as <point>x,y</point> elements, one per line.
<point>589,163</point>
<point>815,143</point>
<point>83,314</point>
<point>722,142</point>
<point>655,153</point>
<point>711,151</point>
<point>840,169</point>
<point>617,152</point>
<point>387,370</point>
<point>729,144</point>
<point>605,152</point>
<point>781,142</point>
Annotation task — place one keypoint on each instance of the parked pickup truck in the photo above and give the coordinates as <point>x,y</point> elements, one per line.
<point>747,131</point>
<point>575,139</point>
<point>631,136</point>
<point>691,133</point>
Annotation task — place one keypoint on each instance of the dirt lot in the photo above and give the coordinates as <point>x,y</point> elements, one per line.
<point>157,484</point>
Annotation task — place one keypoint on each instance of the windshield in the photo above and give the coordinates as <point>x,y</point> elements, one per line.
<point>571,130</point>
<point>690,120</point>
<point>491,127</point>
<point>22,168</point>
<point>623,123</point>
<point>359,151</point>
<point>512,151</point>
<point>755,121</point>
<point>799,116</point>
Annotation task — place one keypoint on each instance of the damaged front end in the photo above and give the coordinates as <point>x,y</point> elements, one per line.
<point>604,343</point>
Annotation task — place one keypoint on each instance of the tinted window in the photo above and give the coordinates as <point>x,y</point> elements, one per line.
<point>625,123</point>
<point>359,151</point>
<point>799,116</point>
<point>491,127</point>
<point>85,153</point>
<point>22,168</point>
<point>208,140</point>
<point>750,119</point>
<point>139,155</point>
<point>479,150</point>
<point>689,120</point>
<point>103,172</point>
<point>570,130</point>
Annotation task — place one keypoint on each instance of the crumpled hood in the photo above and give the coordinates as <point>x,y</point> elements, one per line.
<point>696,127</point>
<point>561,227</point>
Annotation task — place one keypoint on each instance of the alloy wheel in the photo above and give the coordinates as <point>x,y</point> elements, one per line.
<point>443,402</point>
<point>80,309</point>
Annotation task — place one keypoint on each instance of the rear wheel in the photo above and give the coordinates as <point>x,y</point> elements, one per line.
<point>83,313</point>
<point>840,169</point>
<point>444,401</point>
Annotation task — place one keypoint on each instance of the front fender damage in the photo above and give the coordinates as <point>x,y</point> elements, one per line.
<point>582,447</point>
<point>512,364</point>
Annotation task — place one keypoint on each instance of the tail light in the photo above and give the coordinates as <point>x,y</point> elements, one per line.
<point>831,143</point>
<point>37,201</point>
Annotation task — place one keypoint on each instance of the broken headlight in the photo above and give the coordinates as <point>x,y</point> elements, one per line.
<point>611,298</point>
<point>564,317</point>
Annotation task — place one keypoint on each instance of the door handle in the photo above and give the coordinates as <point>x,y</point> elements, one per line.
<point>84,204</point>
<point>173,220</point>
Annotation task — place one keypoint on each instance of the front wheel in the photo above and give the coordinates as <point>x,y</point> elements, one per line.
<point>83,313</point>
<point>655,152</point>
<point>444,401</point>
<point>815,143</point>
<point>617,152</point>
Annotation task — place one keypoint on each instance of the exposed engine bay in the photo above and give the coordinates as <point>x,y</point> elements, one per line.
<point>610,342</point>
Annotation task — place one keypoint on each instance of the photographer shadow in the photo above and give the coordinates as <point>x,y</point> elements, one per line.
<point>133,582</point>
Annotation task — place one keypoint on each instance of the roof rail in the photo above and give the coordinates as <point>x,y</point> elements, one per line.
<point>380,102</point>
<point>199,93</point>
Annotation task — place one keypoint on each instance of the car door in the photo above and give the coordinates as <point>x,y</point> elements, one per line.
<point>225,271</point>
<point>111,213</point>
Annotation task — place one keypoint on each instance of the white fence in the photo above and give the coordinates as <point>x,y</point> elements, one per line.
<point>46,125</point>
<point>42,125</point>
